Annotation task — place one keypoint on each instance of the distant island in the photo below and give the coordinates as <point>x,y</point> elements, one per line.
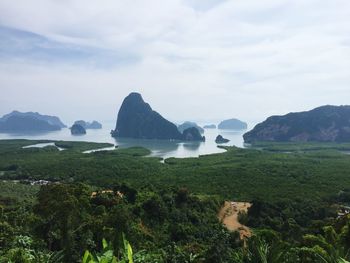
<point>219,139</point>
<point>21,122</point>
<point>323,124</point>
<point>88,125</point>
<point>232,124</point>
<point>77,129</point>
<point>192,134</point>
<point>209,126</point>
<point>136,119</point>
<point>189,124</point>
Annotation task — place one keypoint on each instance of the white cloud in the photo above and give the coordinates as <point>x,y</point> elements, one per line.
<point>244,58</point>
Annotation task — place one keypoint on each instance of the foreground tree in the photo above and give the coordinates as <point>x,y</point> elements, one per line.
<point>63,212</point>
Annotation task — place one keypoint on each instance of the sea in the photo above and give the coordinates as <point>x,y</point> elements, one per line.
<point>159,148</point>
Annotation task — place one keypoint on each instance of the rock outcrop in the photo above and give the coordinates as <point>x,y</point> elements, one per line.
<point>77,129</point>
<point>323,124</point>
<point>52,120</point>
<point>136,119</point>
<point>25,124</point>
<point>95,125</point>
<point>189,124</point>
<point>88,125</point>
<point>219,139</point>
<point>192,134</point>
<point>232,124</point>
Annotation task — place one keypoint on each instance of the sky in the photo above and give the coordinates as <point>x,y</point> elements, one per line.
<point>199,60</point>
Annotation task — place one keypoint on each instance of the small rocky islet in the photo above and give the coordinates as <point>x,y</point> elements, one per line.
<point>219,139</point>
<point>87,125</point>
<point>77,129</point>
<point>188,124</point>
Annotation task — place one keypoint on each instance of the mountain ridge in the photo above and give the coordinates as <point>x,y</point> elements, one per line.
<point>325,124</point>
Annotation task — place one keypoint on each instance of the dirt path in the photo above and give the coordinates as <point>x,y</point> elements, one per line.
<point>228,215</point>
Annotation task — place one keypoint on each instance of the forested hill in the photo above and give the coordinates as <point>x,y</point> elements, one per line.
<point>323,124</point>
<point>59,204</point>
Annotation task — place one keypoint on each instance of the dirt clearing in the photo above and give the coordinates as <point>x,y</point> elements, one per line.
<point>228,215</point>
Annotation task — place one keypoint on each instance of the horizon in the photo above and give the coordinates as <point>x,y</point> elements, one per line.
<point>202,122</point>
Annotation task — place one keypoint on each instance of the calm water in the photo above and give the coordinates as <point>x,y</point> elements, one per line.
<point>159,148</point>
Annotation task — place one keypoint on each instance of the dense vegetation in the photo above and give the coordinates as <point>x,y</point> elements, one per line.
<point>168,211</point>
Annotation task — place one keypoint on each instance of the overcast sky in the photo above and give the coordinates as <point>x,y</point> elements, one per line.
<point>201,60</point>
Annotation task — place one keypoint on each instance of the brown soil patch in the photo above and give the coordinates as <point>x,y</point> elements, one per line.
<point>228,215</point>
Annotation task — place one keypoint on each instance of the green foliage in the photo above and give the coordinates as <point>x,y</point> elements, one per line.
<point>106,256</point>
<point>258,250</point>
<point>63,212</point>
<point>11,191</point>
<point>238,173</point>
<point>23,252</point>
<point>8,146</point>
<point>295,199</point>
<point>301,146</point>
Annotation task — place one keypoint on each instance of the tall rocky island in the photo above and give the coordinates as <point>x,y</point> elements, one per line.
<point>323,124</point>
<point>137,120</point>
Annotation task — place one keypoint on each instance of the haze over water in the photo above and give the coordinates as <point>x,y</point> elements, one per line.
<point>159,148</point>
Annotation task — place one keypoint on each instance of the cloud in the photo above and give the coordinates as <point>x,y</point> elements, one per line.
<point>244,58</point>
<point>204,5</point>
<point>22,45</point>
